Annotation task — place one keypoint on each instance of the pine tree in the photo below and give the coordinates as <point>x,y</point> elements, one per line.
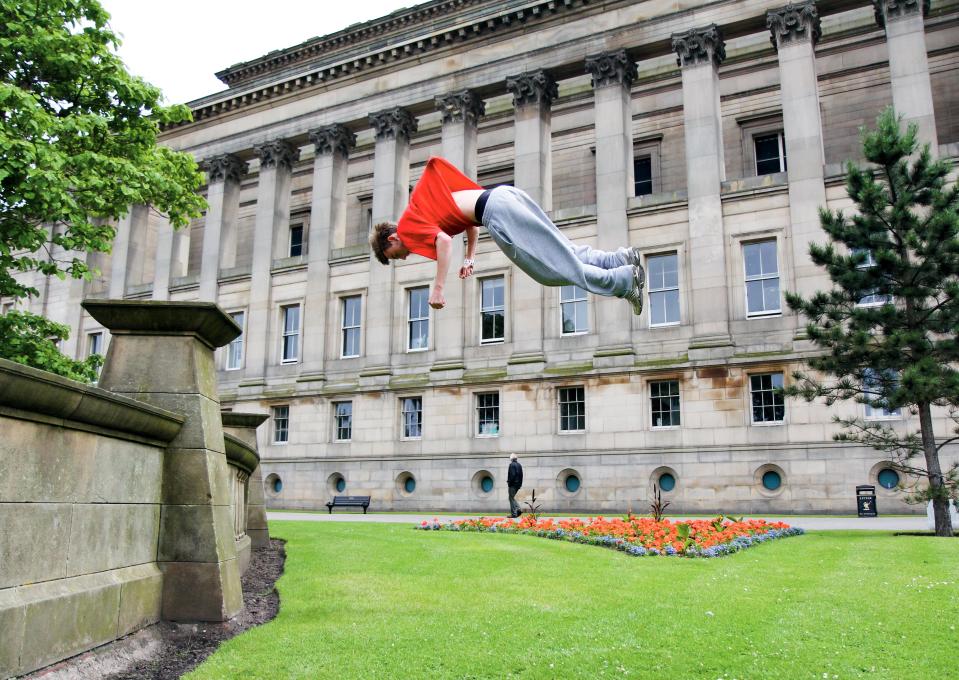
<point>888,326</point>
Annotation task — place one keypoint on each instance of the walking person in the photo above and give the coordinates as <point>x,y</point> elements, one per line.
<point>514,481</point>
<point>446,203</point>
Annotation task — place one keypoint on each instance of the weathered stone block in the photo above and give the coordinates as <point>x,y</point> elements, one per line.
<point>201,533</point>
<point>176,365</point>
<point>203,428</point>
<point>39,463</point>
<point>141,598</point>
<point>109,536</point>
<point>195,477</point>
<point>24,559</point>
<point>201,591</point>
<point>126,472</point>
<point>12,617</point>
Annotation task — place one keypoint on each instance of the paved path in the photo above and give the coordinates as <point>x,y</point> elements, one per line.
<point>892,523</point>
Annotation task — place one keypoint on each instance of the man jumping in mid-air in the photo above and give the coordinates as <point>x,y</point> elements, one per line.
<point>446,203</point>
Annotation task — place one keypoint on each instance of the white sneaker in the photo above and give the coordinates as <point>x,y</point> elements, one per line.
<point>635,295</point>
<point>632,256</point>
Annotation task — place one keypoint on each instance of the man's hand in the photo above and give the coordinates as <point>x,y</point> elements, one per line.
<point>466,271</point>
<point>437,301</point>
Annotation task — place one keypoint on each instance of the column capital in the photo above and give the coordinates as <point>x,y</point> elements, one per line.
<point>331,139</point>
<point>534,87</point>
<point>611,68</point>
<point>393,123</point>
<point>276,154</point>
<point>796,22</point>
<point>463,106</point>
<point>224,167</point>
<point>890,10</point>
<point>702,45</point>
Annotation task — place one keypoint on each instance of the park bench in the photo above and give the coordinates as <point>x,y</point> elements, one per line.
<point>349,502</point>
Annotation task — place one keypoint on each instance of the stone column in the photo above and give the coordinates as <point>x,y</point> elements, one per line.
<point>700,52</point>
<point>461,113</point>
<point>794,33</point>
<point>163,267</point>
<point>243,426</point>
<point>272,215</point>
<point>909,65</point>
<point>533,95</point>
<point>391,182</point>
<point>162,354</point>
<point>219,229</point>
<point>327,214</point>
<point>613,74</point>
<point>128,250</point>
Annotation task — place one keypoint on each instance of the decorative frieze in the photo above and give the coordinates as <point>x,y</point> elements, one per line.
<point>224,167</point>
<point>890,10</point>
<point>700,46</point>
<point>277,154</point>
<point>396,123</point>
<point>532,88</point>
<point>797,22</point>
<point>462,106</point>
<point>333,138</point>
<point>611,68</point>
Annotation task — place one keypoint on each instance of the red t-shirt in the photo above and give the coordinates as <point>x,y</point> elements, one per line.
<point>432,208</point>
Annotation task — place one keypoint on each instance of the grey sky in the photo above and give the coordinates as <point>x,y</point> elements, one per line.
<point>179,44</point>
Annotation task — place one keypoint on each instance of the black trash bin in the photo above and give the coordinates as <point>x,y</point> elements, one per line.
<point>866,500</point>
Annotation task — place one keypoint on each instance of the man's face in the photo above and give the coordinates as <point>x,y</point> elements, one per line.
<point>396,250</point>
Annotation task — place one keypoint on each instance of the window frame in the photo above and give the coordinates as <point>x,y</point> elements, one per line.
<point>478,417</point>
<point>482,310</point>
<point>869,264</point>
<point>410,320</point>
<point>358,327</point>
<point>637,159</point>
<point>284,333</point>
<point>337,428</point>
<point>752,413</point>
<point>869,412</point>
<point>761,277</point>
<point>403,419</point>
<point>781,158</point>
<point>94,346</point>
<point>665,289</point>
<point>575,301</point>
<point>559,404</point>
<point>239,340</point>
<point>679,404</point>
<point>275,419</point>
<point>290,241</point>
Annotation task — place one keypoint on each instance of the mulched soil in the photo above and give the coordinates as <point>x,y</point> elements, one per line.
<point>185,646</point>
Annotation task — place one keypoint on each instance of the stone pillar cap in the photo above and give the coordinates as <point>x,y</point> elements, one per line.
<point>205,320</point>
<point>235,419</point>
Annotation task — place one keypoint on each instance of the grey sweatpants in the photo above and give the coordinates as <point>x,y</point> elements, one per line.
<point>530,239</point>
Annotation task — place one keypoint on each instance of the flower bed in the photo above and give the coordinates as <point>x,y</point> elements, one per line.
<point>637,536</point>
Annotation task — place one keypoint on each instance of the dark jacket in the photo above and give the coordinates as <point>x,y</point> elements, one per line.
<point>514,477</point>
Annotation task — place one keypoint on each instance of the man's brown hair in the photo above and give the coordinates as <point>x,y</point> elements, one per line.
<point>379,240</point>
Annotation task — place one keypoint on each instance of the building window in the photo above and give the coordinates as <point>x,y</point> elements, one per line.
<point>487,414</point>
<point>762,278</point>
<point>770,153</point>
<point>873,387</point>
<point>296,240</point>
<point>573,304</point>
<point>343,420</point>
<point>419,319</point>
<point>888,478</point>
<point>291,334</point>
<point>768,402</point>
<point>873,298</point>
<point>643,176</point>
<point>412,417</point>
<point>492,310</point>
<point>94,344</point>
<point>772,480</point>
<point>663,273</point>
<point>572,409</point>
<point>234,351</point>
<point>351,326</point>
<point>281,424</point>
<point>664,398</point>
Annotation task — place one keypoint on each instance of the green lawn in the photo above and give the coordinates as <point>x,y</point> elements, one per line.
<point>365,601</point>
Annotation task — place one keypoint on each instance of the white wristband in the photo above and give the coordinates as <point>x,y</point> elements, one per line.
<point>467,262</point>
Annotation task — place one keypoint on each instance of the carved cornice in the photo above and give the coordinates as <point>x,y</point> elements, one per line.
<point>890,10</point>
<point>462,106</point>
<point>793,23</point>
<point>333,138</point>
<point>396,123</point>
<point>223,168</point>
<point>532,88</point>
<point>277,154</point>
<point>611,68</point>
<point>700,46</point>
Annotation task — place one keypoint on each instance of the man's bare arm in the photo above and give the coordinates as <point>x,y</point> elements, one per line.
<point>472,233</point>
<point>444,248</point>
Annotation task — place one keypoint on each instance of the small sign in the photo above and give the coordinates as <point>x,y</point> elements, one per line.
<point>867,506</point>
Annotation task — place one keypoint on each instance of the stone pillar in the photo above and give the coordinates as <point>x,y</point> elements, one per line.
<point>909,65</point>
<point>243,426</point>
<point>327,215</point>
<point>533,95</point>
<point>391,186</point>
<point>613,74</point>
<point>272,215</point>
<point>219,229</point>
<point>162,354</point>
<point>180,252</point>
<point>461,113</point>
<point>163,267</point>
<point>794,33</point>
<point>128,250</point>
<point>700,52</point>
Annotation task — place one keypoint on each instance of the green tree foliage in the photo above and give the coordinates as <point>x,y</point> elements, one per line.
<point>888,326</point>
<point>32,340</point>
<point>77,148</point>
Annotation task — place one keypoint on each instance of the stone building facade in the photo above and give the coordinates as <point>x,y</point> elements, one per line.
<point>706,134</point>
